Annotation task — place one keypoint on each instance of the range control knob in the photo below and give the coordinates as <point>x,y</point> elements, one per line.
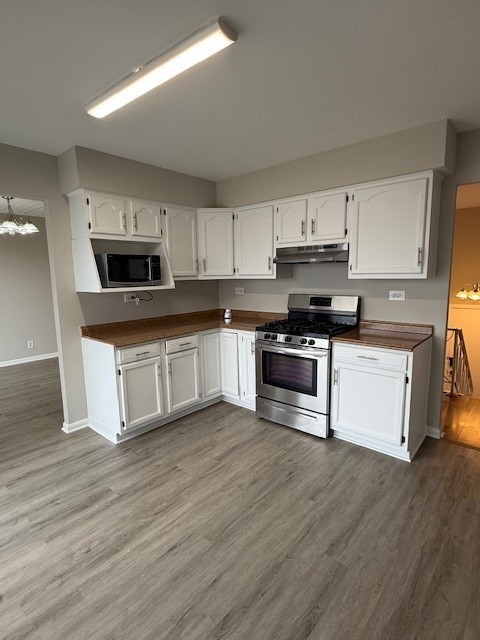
<point>288,338</point>
<point>274,336</point>
<point>266,336</point>
<point>303,341</point>
<point>312,342</point>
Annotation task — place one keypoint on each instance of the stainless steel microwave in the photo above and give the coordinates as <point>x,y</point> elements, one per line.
<point>128,270</point>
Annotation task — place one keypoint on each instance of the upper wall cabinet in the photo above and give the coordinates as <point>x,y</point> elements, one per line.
<point>145,219</point>
<point>314,219</point>
<point>253,233</point>
<point>106,215</point>
<point>391,229</point>
<point>102,223</point>
<point>182,241</point>
<point>291,221</point>
<point>215,242</point>
<point>101,215</point>
<point>327,217</point>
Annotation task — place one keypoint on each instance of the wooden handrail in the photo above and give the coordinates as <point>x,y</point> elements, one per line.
<point>461,381</point>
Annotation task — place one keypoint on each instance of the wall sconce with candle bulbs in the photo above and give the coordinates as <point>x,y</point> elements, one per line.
<point>11,223</point>
<point>468,293</point>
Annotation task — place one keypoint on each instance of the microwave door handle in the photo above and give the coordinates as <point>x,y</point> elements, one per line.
<point>149,261</point>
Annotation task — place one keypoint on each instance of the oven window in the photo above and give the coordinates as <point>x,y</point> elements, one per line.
<point>290,372</point>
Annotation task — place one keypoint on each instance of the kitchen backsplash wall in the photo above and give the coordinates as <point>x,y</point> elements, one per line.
<point>186,297</point>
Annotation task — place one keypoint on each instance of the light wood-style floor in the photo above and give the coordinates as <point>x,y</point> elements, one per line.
<point>461,420</point>
<point>222,526</point>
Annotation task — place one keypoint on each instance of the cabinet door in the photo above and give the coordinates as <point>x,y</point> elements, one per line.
<point>230,378</point>
<point>212,368</point>
<point>215,242</point>
<point>253,232</point>
<point>183,379</point>
<point>182,241</point>
<point>369,401</point>
<point>291,222</point>
<point>141,392</point>
<point>107,215</point>
<point>247,366</point>
<point>388,229</point>
<point>327,217</point>
<point>145,219</point>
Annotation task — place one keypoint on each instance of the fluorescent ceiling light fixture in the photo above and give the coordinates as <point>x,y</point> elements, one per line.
<point>199,46</point>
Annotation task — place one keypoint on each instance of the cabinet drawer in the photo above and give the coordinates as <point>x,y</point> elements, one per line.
<point>181,344</point>
<point>138,352</point>
<point>373,357</point>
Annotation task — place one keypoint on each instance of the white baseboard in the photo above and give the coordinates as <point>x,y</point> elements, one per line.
<point>70,427</point>
<point>434,432</point>
<point>45,356</point>
<point>246,404</point>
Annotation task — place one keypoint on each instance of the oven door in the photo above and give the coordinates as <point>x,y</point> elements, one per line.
<point>293,375</point>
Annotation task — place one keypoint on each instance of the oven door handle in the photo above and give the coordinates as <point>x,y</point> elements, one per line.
<point>301,352</point>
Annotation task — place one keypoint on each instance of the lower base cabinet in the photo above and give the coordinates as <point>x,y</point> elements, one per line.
<point>133,389</point>
<point>183,380</point>
<point>379,397</point>
<point>141,392</point>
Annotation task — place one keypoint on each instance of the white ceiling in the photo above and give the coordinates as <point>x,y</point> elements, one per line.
<point>21,206</point>
<point>303,77</point>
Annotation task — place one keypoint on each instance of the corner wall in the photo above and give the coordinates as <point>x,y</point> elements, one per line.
<point>428,147</point>
<point>26,286</point>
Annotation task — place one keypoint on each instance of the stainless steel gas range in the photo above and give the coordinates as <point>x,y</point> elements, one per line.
<point>292,359</point>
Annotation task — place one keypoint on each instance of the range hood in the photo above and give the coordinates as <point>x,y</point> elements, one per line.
<point>312,254</point>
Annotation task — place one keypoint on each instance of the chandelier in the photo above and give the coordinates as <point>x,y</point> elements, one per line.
<point>12,223</point>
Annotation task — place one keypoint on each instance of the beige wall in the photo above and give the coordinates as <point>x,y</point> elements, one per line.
<point>465,314</point>
<point>29,174</point>
<point>26,304</point>
<point>428,147</point>
<point>466,252</point>
<point>80,167</point>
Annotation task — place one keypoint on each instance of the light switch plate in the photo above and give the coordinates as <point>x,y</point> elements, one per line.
<point>396,295</point>
<point>239,291</point>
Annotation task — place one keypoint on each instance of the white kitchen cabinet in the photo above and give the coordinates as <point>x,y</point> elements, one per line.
<point>182,241</point>
<point>379,397</point>
<point>291,222</point>
<point>215,242</point>
<point>106,214</point>
<point>327,217</point>
<point>145,219</point>
<point>253,233</point>
<point>183,381</point>
<point>230,371</point>
<point>390,229</point>
<point>369,401</point>
<point>247,368</point>
<point>212,366</point>
<point>141,392</point>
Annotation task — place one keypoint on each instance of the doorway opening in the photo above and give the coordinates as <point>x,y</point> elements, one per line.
<point>461,397</point>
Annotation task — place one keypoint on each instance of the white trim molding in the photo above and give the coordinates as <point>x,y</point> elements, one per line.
<point>434,432</point>
<point>70,427</point>
<point>44,356</point>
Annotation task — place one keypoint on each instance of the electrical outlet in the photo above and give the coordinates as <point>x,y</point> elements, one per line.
<point>396,295</point>
<point>130,297</point>
<point>239,291</point>
<point>30,344</point>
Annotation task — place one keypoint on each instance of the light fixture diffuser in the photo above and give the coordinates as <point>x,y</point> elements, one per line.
<point>198,47</point>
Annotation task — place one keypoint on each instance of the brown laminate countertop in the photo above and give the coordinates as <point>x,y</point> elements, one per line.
<point>124,334</point>
<point>387,335</point>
